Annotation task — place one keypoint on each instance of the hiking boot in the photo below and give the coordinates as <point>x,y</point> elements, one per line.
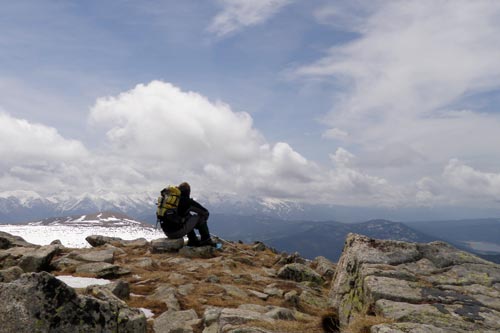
<point>193,243</point>
<point>207,242</point>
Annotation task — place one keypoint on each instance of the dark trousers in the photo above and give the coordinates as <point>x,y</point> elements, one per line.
<point>192,222</point>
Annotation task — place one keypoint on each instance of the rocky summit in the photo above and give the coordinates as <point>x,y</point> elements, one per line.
<point>415,287</point>
<point>162,286</point>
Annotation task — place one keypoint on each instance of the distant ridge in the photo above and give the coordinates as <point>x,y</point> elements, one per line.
<point>101,219</point>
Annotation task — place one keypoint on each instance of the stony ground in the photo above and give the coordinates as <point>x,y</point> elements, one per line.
<point>241,288</point>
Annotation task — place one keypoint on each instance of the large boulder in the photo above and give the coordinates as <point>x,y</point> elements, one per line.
<point>163,245</point>
<point>176,322</point>
<point>30,259</point>
<point>421,287</point>
<point>300,273</point>
<point>38,302</point>
<point>7,241</point>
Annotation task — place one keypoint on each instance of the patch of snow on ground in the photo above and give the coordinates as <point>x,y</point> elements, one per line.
<point>148,313</point>
<point>72,236</point>
<point>81,282</point>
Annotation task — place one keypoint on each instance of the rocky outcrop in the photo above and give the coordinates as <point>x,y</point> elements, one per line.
<point>29,259</point>
<point>38,302</point>
<point>421,287</point>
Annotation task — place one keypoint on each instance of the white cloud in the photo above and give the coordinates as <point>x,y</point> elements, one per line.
<point>238,14</point>
<point>403,78</point>
<point>169,135</point>
<point>21,140</point>
<point>472,184</point>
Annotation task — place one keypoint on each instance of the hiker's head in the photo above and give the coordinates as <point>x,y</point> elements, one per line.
<point>185,188</point>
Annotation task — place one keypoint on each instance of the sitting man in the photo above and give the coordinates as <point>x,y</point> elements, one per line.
<point>187,206</point>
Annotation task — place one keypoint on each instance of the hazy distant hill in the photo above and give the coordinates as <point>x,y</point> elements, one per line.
<point>309,238</point>
<point>470,233</point>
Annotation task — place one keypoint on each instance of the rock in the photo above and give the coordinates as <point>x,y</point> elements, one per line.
<point>185,289</point>
<point>230,316</point>
<point>234,291</point>
<point>198,252</point>
<point>259,246</point>
<point>139,242</point>
<point>119,288</point>
<point>65,263</point>
<point>422,287</point>
<point>93,256</point>
<point>176,322</point>
<point>281,314</point>
<point>258,294</point>
<point>290,259</point>
<point>292,298</point>
<point>271,290</point>
<point>406,328</point>
<point>10,274</point>
<point>324,267</point>
<point>29,259</point>
<point>163,245</point>
<point>98,240</point>
<point>166,294</point>
<point>56,242</point>
<point>99,270</point>
<point>146,263</point>
<point>313,299</point>
<point>7,241</point>
<point>38,302</point>
<point>299,273</point>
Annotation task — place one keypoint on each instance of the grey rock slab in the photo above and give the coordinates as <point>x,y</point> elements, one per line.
<point>230,316</point>
<point>64,263</point>
<point>234,291</point>
<point>119,288</point>
<point>459,317</point>
<point>165,245</point>
<point>98,240</point>
<point>444,255</point>
<point>99,269</point>
<point>324,267</point>
<point>393,289</point>
<point>93,256</point>
<point>166,293</point>
<point>313,299</point>
<point>176,322</point>
<point>7,241</point>
<point>408,328</point>
<point>10,274</point>
<point>38,302</point>
<point>273,291</point>
<point>280,313</point>
<point>299,272</point>
<point>29,259</point>
<point>204,252</point>
<point>258,294</point>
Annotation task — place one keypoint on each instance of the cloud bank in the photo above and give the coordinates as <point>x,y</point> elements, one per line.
<point>156,134</point>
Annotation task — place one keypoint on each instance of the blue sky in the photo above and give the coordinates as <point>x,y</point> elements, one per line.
<point>377,104</point>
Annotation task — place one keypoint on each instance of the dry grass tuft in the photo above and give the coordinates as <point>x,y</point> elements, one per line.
<point>156,306</point>
<point>362,323</point>
<point>330,322</point>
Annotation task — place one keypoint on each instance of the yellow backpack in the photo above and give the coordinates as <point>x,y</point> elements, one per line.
<point>168,201</point>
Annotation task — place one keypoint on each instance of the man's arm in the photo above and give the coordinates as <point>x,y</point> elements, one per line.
<point>198,208</point>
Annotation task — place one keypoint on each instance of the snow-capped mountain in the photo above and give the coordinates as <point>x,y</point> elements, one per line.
<point>102,219</point>
<point>22,206</point>
<point>72,230</point>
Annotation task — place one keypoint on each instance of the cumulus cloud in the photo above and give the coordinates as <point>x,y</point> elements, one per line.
<point>238,14</point>
<point>170,135</point>
<point>21,140</point>
<point>472,183</point>
<point>403,79</point>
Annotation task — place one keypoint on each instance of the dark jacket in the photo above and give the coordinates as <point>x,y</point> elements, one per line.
<point>188,205</point>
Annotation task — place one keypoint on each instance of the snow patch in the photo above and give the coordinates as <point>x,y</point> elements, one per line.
<point>81,282</point>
